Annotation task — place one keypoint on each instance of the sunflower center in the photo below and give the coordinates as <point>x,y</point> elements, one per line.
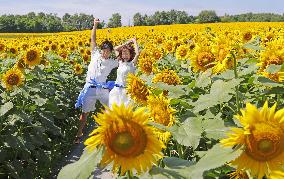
<point>275,60</point>
<point>247,36</point>
<point>265,142</point>
<point>129,142</point>
<point>123,141</point>
<point>78,68</point>
<point>183,52</point>
<point>13,79</point>
<point>265,146</point>
<point>205,59</point>
<point>31,55</point>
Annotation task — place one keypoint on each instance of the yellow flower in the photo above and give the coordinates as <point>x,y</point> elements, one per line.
<point>277,77</point>
<point>167,76</point>
<point>78,69</point>
<point>137,89</point>
<point>2,47</point>
<point>169,47</point>
<point>129,142</point>
<point>247,36</point>
<point>156,53</point>
<point>146,65</point>
<point>162,113</point>
<point>13,77</point>
<point>32,57</point>
<point>182,52</point>
<point>202,58</point>
<point>273,54</point>
<point>261,138</point>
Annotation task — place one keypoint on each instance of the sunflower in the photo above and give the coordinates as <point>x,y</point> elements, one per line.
<point>277,77</point>
<point>247,36</point>
<point>162,113</point>
<point>156,53</point>
<point>13,77</point>
<point>167,76</point>
<point>2,47</point>
<point>146,65</point>
<point>32,57</point>
<point>261,139</point>
<point>169,47</point>
<point>202,58</point>
<point>78,69</point>
<point>182,52</point>
<point>274,54</point>
<point>129,142</point>
<point>137,89</point>
<point>20,64</point>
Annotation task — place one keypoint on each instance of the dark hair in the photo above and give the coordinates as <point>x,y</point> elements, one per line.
<point>106,44</point>
<point>127,47</point>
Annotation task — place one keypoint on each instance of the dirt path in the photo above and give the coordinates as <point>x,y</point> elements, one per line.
<point>75,154</point>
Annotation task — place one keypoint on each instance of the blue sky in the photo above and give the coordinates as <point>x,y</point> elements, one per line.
<point>104,8</point>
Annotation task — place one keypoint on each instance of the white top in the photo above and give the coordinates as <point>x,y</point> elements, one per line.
<point>122,71</point>
<point>99,68</point>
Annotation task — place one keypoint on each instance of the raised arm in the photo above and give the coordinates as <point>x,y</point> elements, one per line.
<point>93,35</point>
<point>117,48</point>
<point>137,52</point>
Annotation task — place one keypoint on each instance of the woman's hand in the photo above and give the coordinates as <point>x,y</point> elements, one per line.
<point>96,22</point>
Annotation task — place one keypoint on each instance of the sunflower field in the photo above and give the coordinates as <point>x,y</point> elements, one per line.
<point>209,103</point>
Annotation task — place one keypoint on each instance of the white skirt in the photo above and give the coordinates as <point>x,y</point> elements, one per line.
<point>118,95</point>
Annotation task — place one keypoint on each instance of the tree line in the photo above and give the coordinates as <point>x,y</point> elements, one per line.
<point>42,22</point>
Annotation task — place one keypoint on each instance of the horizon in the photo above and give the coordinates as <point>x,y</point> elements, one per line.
<point>104,9</point>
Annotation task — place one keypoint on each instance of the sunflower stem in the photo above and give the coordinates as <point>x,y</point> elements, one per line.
<point>237,87</point>
<point>180,153</point>
<point>129,176</point>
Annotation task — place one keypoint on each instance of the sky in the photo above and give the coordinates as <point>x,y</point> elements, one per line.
<point>103,9</point>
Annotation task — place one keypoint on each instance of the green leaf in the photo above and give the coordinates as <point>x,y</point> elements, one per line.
<point>162,173</point>
<point>82,168</point>
<point>203,80</point>
<point>267,82</point>
<point>273,68</point>
<point>175,91</point>
<point>5,108</point>
<point>40,101</point>
<point>215,157</point>
<point>188,133</point>
<point>214,128</point>
<point>177,163</point>
<point>221,91</point>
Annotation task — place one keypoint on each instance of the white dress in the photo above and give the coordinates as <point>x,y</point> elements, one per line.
<point>118,94</point>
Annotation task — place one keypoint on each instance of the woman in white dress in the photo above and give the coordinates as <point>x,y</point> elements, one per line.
<point>128,57</point>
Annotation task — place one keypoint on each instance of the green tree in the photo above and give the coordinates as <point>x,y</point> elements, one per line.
<point>138,20</point>
<point>208,16</point>
<point>114,21</point>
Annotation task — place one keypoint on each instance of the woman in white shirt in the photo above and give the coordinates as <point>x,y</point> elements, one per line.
<point>127,57</point>
<point>96,87</point>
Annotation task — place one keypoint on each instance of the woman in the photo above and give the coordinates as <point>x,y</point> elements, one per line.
<point>127,57</point>
<point>96,87</point>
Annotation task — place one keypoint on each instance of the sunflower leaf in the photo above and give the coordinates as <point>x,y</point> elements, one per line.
<point>5,108</point>
<point>189,132</point>
<point>215,157</point>
<point>82,168</point>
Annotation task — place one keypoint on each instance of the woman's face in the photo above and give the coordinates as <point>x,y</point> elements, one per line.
<point>125,54</point>
<point>106,53</point>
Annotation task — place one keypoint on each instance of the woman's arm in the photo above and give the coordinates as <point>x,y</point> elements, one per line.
<point>117,48</point>
<point>93,35</point>
<point>137,52</point>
